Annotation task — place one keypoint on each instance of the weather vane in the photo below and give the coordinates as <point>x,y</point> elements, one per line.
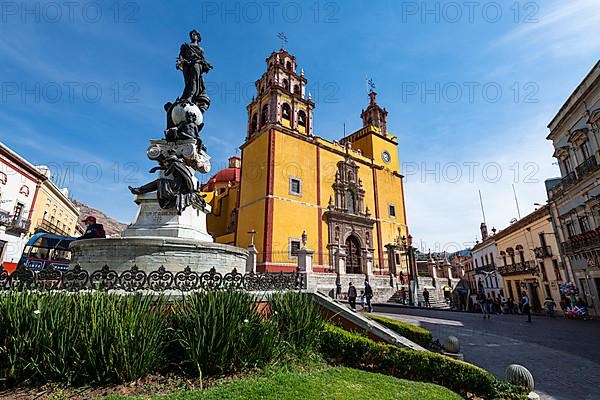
<point>371,85</point>
<point>283,39</point>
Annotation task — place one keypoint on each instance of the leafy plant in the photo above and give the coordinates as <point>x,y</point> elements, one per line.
<point>73,338</point>
<point>299,321</point>
<point>223,331</point>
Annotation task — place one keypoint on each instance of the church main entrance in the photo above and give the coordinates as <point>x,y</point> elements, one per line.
<point>353,256</point>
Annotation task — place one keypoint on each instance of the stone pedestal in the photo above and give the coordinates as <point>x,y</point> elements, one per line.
<point>149,253</point>
<point>305,260</point>
<point>369,271</point>
<point>153,221</point>
<point>158,238</point>
<point>251,260</point>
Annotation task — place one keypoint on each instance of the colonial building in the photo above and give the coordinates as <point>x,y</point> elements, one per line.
<point>486,276</point>
<point>529,260</point>
<point>19,187</point>
<point>29,203</point>
<point>346,196</point>
<point>575,198</point>
<point>53,212</point>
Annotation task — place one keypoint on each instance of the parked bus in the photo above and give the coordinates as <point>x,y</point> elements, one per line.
<point>46,250</point>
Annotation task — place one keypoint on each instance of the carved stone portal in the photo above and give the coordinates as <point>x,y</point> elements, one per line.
<point>350,225</point>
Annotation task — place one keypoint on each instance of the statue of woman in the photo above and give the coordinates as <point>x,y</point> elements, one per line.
<point>192,63</point>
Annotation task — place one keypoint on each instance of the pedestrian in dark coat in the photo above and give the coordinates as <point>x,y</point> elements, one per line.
<point>426,298</point>
<point>352,296</point>
<point>368,296</point>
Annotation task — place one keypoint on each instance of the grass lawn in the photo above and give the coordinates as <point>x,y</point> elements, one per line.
<point>332,383</point>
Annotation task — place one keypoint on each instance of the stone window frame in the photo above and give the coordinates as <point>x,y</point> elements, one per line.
<point>291,254</point>
<point>292,192</point>
<point>390,208</point>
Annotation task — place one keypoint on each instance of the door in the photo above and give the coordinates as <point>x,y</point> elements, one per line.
<point>353,256</point>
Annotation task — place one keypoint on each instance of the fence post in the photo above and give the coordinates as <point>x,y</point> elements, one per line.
<point>340,261</point>
<point>251,260</point>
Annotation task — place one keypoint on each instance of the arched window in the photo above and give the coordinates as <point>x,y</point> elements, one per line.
<point>296,89</point>
<point>254,123</point>
<point>521,254</point>
<point>511,253</point>
<point>286,111</point>
<point>302,118</point>
<point>286,84</point>
<point>264,115</point>
<point>288,66</point>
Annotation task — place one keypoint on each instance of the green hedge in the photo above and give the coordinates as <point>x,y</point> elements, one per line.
<point>357,351</point>
<point>420,336</point>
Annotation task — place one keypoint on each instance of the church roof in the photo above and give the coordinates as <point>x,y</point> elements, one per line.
<point>225,175</point>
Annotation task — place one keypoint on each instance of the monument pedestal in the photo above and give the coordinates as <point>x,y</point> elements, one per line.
<point>160,237</point>
<point>153,221</point>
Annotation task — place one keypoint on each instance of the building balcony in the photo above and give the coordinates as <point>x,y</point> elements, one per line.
<point>542,252</point>
<point>14,225</point>
<point>569,180</point>
<point>43,225</point>
<point>485,268</point>
<point>518,268</point>
<point>587,167</point>
<point>583,242</point>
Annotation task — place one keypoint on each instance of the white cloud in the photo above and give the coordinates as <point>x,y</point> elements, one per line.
<point>446,213</point>
<point>564,29</point>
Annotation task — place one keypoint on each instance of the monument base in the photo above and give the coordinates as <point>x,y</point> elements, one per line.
<point>158,238</point>
<point>153,221</point>
<point>150,253</point>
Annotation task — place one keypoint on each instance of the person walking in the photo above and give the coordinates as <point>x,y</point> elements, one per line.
<point>526,306</point>
<point>481,299</point>
<point>368,296</point>
<point>352,296</point>
<point>489,303</point>
<point>550,306</point>
<point>426,298</point>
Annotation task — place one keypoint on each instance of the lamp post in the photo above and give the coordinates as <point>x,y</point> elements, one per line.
<point>412,277</point>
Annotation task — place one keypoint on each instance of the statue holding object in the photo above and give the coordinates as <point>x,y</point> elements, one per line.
<point>182,152</point>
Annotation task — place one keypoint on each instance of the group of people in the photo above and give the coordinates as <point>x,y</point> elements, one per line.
<point>489,305</point>
<point>365,296</point>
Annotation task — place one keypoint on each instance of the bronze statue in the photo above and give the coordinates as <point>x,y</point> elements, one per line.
<point>177,185</point>
<point>176,189</point>
<point>192,63</point>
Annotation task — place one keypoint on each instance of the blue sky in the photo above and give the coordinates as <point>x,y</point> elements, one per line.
<point>470,90</point>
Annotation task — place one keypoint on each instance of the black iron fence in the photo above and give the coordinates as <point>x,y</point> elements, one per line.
<point>134,279</point>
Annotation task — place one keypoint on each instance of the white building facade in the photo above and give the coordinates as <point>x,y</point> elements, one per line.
<point>575,199</point>
<point>485,264</point>
<point>19,185</point>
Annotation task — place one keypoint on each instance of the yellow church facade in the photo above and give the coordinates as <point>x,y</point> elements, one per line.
<point>342,199</point>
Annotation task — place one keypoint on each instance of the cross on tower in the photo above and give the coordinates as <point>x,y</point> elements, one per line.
<point>283,39</point>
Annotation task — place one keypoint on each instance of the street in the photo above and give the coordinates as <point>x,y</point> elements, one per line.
<point>563,355</point>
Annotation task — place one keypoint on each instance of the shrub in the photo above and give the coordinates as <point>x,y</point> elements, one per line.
<point>299,321</point>
<point>220,332</point>
<point>358,351</point>
<point>507,391</point>
<point>420,336</point>
<point>76,338</point>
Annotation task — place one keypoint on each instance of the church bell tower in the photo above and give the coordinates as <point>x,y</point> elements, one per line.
<point>281,100</point>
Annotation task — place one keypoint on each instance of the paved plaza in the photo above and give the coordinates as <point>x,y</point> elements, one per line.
<point>563,355</point>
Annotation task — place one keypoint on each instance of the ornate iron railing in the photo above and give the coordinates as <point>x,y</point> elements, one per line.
<point>568,180</point>
<point>587,167</point>
<point>518,268</point>
<point>160,280</point>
